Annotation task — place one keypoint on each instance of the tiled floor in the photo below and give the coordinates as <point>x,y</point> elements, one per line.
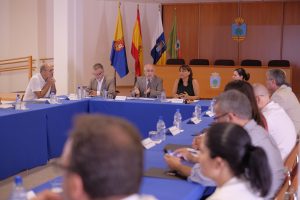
<point>31,179</point>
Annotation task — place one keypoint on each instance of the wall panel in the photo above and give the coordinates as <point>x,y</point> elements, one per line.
<point>264,31</point>
<point>291,41</point>
<point>187,27</point>
<point>215,40</point>
<point>273,30</point>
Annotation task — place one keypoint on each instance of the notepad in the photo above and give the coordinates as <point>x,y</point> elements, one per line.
<point>163,173</point>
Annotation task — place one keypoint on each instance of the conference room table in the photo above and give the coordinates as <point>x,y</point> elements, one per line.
<point>144,114</point>
<point>153,158</point>
<point>30,138</point>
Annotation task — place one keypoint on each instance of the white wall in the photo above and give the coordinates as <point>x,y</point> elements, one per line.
<point>23,32</point>
<point>96,28</point>
<point>27,29</point>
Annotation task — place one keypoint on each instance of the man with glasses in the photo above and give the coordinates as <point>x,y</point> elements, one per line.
<point>282,94</point>
<point>102,159</point>
<point>148,85</point>
<point>233,106</point>
<point>41,84</point>
<point>100,82</point>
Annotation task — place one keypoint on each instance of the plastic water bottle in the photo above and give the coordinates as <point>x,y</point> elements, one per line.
<point>163,96</point>
<point>161,129</point>
<point>197,112</point>
<point>177,119</point>
<point>19,192</point>
<point>18,102</point>
<point>52,98</point>
<point>212,104</point>
<point>79,92</point>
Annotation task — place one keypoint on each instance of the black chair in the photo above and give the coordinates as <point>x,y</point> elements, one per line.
<point>249,62</point>
<point>199,62</point>
<point>224,62</point>
<point>279,63</point>
<point>176,61</point>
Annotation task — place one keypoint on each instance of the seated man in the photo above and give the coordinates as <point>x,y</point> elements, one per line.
<point>148,85</point>
<point>233,106</point>
<point>41,84</point>
<point>101,82</point>
<point>280,126</point>
<point>102,159</point>
<point>282,94</point>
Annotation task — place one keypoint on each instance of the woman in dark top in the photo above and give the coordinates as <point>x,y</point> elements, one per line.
<point>240,74</point>
<point>186,87</point>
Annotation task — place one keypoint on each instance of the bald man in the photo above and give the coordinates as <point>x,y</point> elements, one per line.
<point>280,125</point>
<point>41,84</point>
<point>148,85</point>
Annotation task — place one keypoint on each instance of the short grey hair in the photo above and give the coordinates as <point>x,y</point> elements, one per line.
<point>233,101</point>
<point>43,67</point>
<point>278,76</point>
<point>97,66</point>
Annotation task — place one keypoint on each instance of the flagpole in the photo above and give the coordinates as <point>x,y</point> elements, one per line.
<point>115,80</point>
<point>135,77</point>
<point>115,76</point>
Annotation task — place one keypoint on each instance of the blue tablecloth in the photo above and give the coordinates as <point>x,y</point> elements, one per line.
<point>29,138</point>
<point>23,141</point>
<point>59,122</point>
<point>143,114</point>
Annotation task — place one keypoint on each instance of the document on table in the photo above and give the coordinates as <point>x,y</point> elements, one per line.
<point>4,106</point>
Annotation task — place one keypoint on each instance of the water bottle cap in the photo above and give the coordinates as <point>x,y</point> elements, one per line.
<point>18,180</point>
<point>177,110</point>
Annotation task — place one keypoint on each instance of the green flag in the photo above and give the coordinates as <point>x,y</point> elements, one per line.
<point>172,42</point>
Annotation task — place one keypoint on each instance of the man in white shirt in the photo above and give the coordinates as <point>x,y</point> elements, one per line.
<point>280,126</point>
<point>41,84</point>
<point>282,94</point>
<point>102,159</point>
<point>100,82</point>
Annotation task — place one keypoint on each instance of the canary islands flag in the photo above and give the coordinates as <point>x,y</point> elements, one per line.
<point>136,45</point>
<point>118,57</point>
<point>159,47</point>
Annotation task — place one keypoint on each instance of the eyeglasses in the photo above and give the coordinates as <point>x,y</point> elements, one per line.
<point>49,70</point>
<point>220,116</point>
<point>149,70</point>
<point>98,74</point>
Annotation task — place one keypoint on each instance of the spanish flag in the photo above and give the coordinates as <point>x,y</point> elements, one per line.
<point>118,57</point>
<point>158,51</point>
<point>137,45</point>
